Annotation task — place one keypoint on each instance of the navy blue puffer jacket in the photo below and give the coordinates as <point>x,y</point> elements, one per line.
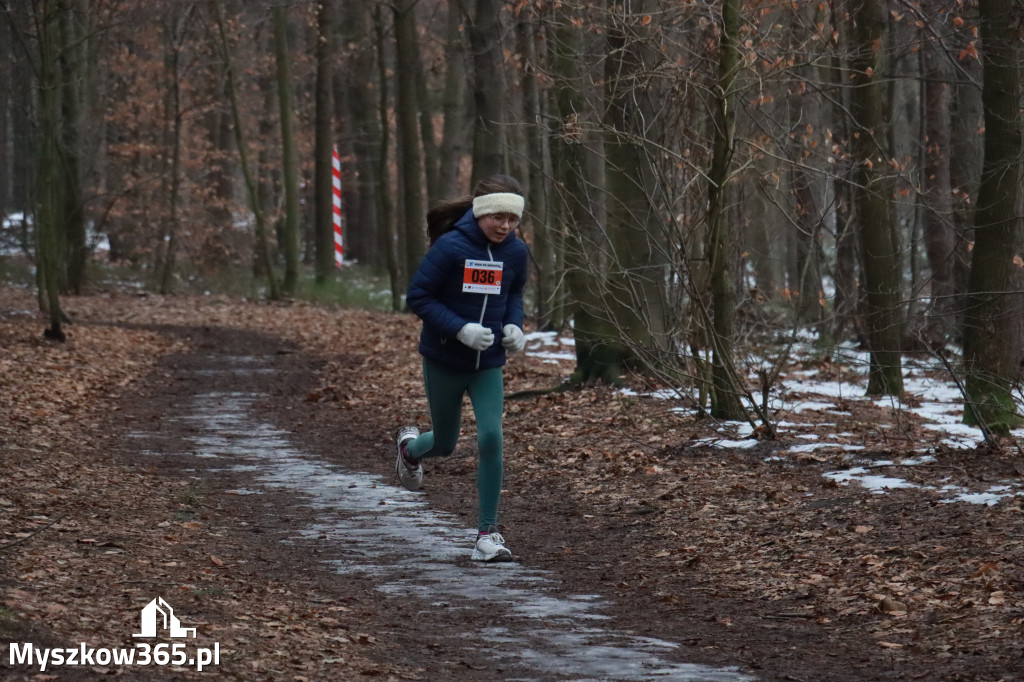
<point>436,295</point>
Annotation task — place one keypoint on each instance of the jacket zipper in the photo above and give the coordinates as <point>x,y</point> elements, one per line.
<point>483,309</point>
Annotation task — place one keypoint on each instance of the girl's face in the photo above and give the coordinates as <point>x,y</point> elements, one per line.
<point>496,226</point>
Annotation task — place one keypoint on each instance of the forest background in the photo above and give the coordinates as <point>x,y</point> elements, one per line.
<point>702,178</point>
<point>724,199</point>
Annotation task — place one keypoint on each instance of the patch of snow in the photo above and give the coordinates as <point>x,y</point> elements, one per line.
<point>662,394</point>
<point>736,444</point>
<point>726,443</point>
<point>834,389</point>
<point>941,413</point>
<point>552,356</point>
<point>800,425</point>
<point>810,405</point>
<point>956,429</point>
<point>811,447</point>
<point>744,430</point>
<point>916,461</point>
<point>873,482</point>
<point>883,484</point>
<point>543,338</point>
<point>989,498</point>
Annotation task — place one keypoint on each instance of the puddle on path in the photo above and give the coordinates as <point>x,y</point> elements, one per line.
<point>412,551</point>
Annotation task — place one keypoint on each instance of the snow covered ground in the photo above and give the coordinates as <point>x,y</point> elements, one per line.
<point>806,397</point>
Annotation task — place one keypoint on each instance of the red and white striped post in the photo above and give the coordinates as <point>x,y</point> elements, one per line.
<point>339,250</point>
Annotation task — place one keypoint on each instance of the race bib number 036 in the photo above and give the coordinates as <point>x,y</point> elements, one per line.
<point>482,277</point>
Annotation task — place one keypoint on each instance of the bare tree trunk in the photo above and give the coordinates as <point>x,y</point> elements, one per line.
<point>967,120</point>
<point>807,217</point>
<point>385,205</point>
<point>411,175</point>
<point>453,104</point>
<point>847,301</point>
<point>992,341</point>
<point>538,153</point>
<point>7,80</point>
<point>872,196</point>
<point>577,203</point>
<point>72,70</point>
<point>170,233</point>
<point>939,234</point>
<point>425,114</point>
<point>50,247</point>
<point>175,35</point>
<point>808,273</point>
<point>323,178</point>
<point>488,91</point>
<point>726,402</point>
<point>763,235</point>
<point>23,128</point>
<point>290,165</point>
<point>635,301</point>
<point>268,165</point>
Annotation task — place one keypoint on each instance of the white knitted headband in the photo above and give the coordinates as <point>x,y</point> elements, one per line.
<point>499,202</point>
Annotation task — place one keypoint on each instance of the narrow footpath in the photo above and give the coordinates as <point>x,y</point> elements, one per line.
<point>362,540</point>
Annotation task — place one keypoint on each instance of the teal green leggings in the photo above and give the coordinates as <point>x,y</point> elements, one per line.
<point>486,388</point>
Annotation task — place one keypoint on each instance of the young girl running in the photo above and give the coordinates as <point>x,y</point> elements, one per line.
<point>468,291</point>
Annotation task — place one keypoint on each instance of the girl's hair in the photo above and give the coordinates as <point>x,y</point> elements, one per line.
<point>442,216</point>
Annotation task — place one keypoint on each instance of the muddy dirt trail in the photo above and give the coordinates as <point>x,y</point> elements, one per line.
<point>314,500</point>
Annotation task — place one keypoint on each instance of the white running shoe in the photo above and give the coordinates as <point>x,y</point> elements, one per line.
<point>410,477</point>
<point>490,548</point>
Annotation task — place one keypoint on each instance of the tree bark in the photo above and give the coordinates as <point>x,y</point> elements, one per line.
<point>635,301</point>
<point>170,232</point>
<point>578,205</point>
<point>385,204</point>
<point>848,294</point>
<point>992,334</point>
<point>72,73</point>
<point>939,234</point>
<point>50,248</point>
<point>425,114</point>
<point>872,193</point>
<point>538,152</point>
<point>411,175</point>
<point>488,91</point>
<point>175,34</point>
<point>807,216</point>
<point>967,154</point>
<point>290,161</point>
<point>453,105</point>
<point>808,272</point>
<point>726,402</point>
<point>7,79</point>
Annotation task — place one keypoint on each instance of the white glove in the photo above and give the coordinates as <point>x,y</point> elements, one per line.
<point>476,336</point>
<point>513,338</point>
